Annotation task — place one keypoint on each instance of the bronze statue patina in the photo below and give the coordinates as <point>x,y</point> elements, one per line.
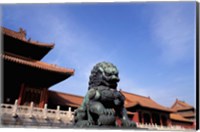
<point>103,103</point>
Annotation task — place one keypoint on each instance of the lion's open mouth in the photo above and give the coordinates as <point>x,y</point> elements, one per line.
<point>113,84</point>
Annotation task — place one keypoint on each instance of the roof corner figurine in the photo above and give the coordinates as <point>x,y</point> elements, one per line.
<point>103,103</point>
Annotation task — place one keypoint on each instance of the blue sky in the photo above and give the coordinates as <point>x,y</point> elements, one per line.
<point>152,44</point>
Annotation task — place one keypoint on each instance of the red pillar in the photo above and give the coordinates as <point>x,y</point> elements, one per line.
<point>46,97</point>
<point>21,94</point>
<point>161,123</point>
<point>169,123</point>
<point>43,97</point>
<point>136,117</point>
<point>151,120</point>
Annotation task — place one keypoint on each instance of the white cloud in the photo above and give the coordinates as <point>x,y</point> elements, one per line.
<point>174,34</point>
<point>73,49</point>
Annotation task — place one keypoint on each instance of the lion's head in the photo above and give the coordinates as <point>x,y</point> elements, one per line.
<point>104,74</point>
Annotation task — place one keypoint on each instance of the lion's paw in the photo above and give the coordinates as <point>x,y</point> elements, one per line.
<point>106,120</point>
<point>83,123</point>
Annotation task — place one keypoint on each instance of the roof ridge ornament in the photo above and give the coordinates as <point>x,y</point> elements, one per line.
<point>22,32</point>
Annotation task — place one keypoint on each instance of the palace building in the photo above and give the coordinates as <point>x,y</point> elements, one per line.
<point>185,110</point>
<point>147,110</point>
<point>184,114</point>
<point>25,76</point>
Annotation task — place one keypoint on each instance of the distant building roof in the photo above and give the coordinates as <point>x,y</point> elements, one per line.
<point>183,109</point>
<point>178,117</point>
<point>134,99</point>
<point>188,115</point>
<point>64,99</point>
<point>181,105</point>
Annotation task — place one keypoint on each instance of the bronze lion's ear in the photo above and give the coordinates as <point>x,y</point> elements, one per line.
<point>101,69</point>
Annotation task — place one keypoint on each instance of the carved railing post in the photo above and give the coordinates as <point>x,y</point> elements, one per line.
<point>149,124</point>
<point>45,111</point>
<point>145,124</point>
<point>69,112</point>
<point>58,113</point>
<point>15,107</point>
<point>156,126</point>
<point>31,110</point>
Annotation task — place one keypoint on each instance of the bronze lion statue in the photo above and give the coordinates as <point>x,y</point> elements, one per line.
<point>103,103</point>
